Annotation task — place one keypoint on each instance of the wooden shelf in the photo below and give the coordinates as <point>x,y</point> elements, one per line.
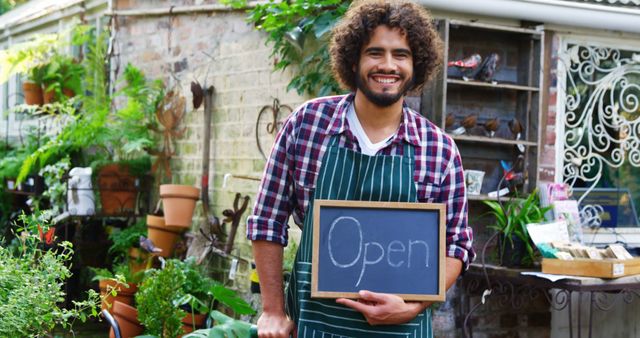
<point>22,193</point>
<point>492,85</point>
<point>483,139</point>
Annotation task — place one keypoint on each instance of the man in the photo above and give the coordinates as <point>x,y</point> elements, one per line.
<point>329,149</point>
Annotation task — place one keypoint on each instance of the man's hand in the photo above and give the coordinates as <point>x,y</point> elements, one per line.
<point>384,308</point>
<point>274,325</point>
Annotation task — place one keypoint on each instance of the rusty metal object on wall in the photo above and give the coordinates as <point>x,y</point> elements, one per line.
<point>169,114</point>
<point>269,120</point>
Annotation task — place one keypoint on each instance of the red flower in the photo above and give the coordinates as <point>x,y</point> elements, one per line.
<point>47,237</point>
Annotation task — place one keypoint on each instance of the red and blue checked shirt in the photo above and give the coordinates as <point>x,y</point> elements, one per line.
<point>291,172</point>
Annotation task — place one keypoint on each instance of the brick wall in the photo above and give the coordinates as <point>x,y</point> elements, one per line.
<point>220,49</point>
<point>547,167</point>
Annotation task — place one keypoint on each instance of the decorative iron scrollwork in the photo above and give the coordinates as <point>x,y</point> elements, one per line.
<point>601,115</point>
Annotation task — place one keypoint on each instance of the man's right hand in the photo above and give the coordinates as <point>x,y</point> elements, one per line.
<point>274,325</point>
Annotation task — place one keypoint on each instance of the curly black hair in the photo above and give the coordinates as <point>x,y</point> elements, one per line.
<point>354,31</point>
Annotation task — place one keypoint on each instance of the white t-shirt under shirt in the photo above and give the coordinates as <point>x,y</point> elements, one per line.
<point>366,147</point>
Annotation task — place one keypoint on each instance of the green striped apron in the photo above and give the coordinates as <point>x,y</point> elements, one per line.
<point>349,175</point>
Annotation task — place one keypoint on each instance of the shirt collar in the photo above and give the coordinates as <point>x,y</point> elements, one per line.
<point>408,130</point>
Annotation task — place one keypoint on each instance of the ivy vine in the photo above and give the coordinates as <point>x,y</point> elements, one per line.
<point>309,54</point>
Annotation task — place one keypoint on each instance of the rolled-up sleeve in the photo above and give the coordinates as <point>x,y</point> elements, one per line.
<point>273,205</point>
<point>453,194</point>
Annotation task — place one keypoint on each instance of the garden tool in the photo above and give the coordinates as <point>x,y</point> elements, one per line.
<point>234,216</point>
<point>212,222</point>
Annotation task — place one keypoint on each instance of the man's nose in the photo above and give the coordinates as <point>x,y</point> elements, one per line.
<point>388,63</point>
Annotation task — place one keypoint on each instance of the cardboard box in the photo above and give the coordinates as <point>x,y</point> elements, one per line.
<point>602,268</point>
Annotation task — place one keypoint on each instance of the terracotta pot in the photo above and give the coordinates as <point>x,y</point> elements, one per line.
<point>138,260</point>
<point>127,318</point>
<point>164,237</point>
<point>189,320</point>
<point>117,190</point>
<point>125,295</point>
<point>178,202</point>
<point>49,96</point>
<point>68,92</point>
<point>32,93</point>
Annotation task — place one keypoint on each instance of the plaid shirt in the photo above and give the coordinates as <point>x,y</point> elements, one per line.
<point>290,176</point>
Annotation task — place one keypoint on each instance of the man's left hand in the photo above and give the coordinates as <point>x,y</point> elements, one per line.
<point>384,308</point>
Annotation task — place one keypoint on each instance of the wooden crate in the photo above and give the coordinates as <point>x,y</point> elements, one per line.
<point>607,268</point>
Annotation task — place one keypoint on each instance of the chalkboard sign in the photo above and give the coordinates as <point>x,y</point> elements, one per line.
<point>386,247</point>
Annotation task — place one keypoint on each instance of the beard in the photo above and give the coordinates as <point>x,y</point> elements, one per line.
<point>382,99</point>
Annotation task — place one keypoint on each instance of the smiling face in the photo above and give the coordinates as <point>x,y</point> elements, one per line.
<point>385,70</point>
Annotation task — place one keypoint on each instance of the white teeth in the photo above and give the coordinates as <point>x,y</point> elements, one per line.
<point>385,80</point>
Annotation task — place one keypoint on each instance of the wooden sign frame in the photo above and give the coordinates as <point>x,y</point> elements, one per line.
<point>440,207</point>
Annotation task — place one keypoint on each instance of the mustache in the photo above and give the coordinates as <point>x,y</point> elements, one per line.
<point>392,72</point>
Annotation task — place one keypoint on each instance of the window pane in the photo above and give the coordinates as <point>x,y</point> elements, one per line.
<point>601,156</point>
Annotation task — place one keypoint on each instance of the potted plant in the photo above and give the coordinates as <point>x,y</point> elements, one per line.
<point>120,285</point>
<point>118,183</point>
<point>128,142</point>
<point>30,58</point>
<point>32,88</point>
<point>33,271</point>
<point>511,219</point>
<point>176,299</point>
<point>62,78</point>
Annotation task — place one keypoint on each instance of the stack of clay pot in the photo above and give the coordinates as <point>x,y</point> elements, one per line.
<point>178,203</point>
<point>124,294</point>
<point>127,318</point>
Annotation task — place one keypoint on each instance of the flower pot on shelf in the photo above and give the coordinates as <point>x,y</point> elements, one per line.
<point>117,189</point>
<point>68,92</point>
<point>49,96</point>
<point>512,252</point>
<point>178,203</point>
<point>163,236</point>
<point>138,260</point>
<point>124,294</point>
<point>189,321</point>
<point>127,318</point>
<point>32,93</point>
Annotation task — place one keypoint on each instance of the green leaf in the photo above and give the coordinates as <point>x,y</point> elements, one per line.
<point>229,298</point>
<point>323,24</point>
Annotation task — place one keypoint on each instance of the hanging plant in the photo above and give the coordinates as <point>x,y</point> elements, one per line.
<point>299,32</point>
